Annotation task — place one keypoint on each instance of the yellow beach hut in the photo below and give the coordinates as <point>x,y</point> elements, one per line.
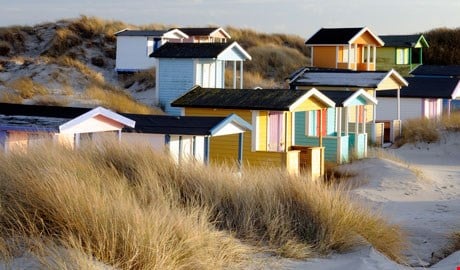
<point>271,114</point>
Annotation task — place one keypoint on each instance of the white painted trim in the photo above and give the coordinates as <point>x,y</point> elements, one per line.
<point>396,75</point>
<point>293,128</point>
<point>361,92</point>
<point>225,33</point>
<point>312,92</point>
<point>176,31</point>
<point>95,112</point>
<point>456,92</point>
<point>379,40</point>
<point>239,48</point>
<point>254,137</point>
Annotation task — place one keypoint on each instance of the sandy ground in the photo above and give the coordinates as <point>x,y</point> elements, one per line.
<point>415,186</point>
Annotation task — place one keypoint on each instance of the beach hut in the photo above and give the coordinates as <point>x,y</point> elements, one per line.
<point>271,115</point>
<point>348,80</point>
<point>20,128</point>
<point>344,48</point>
<point>186,137</point>
<point>183,65</point>
<point>427,97</point>
<point>401,52</point>
<point>341,144</point>
<point>135,46</point>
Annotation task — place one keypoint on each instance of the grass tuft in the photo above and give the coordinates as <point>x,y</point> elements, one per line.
<point>27,88</point>
<point>119,101</point>
<point>418,130</point>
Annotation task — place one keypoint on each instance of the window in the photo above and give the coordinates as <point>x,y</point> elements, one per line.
<point>402,56</point>
<point>313,120</point>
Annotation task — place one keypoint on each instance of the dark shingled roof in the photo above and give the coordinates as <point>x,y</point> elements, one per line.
<point>40,117</point>
<point>137,33</point>
<point>41,110</point>
<point>434,70</point>
<point>257,99</point>
<point>180,125</point>
<point>198,31</point>
<point>425,87</point>
<point>339,96</point>
<point>400,40</point>
<point>190,50</point>
<point>309,76</point>
<point>333,36</point>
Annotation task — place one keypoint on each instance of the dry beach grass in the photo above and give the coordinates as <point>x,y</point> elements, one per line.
<point>134,209</point>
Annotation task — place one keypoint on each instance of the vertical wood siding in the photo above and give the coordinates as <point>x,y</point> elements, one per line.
<point>175,79</point>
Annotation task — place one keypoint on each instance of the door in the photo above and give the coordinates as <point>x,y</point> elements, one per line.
<point>275,132</point>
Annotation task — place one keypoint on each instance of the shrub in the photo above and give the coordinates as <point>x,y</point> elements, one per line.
<point>5,48</point>
<point>28,88</point>
<point>14,36</point>
<point>63,40</point>
<point>98,61</point>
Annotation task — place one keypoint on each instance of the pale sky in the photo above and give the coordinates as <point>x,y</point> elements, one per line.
<point>303,18</point>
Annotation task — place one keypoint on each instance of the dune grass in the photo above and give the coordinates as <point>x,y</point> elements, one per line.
<point>275,61</point>
<point>428,130</point>
<point>134,209</point>
<point>26,88</point>
<point>119,101</point>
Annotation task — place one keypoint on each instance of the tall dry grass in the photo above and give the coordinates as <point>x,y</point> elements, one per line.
<point>132,208</point>
<point>119,101</point>
<point>451,122</point>
<point>89,27</point>
<point>26,88</point>
<point>80,201</point>
<point>418,130</point>
<point>63,40</point>
<point>14,36</point>
<point>428,130</point>
<point>275,61</point>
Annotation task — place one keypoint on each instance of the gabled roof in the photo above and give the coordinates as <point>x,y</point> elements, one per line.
<point>200,50</point>
<point>340,36</point>
<point>250,99</point>
<point>98,111</point>
<point>435,70</point>
<point>427,87</point>
<point>50,118</point>
<point>149,33</point>
<point>185,125</point>
<point>347,98</point>
<point>140,33</point>
<point>404,41</point>
<point>316,77</point>
<point>203,31</point>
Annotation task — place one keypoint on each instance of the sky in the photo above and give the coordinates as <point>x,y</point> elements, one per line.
<point>302,18</point>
